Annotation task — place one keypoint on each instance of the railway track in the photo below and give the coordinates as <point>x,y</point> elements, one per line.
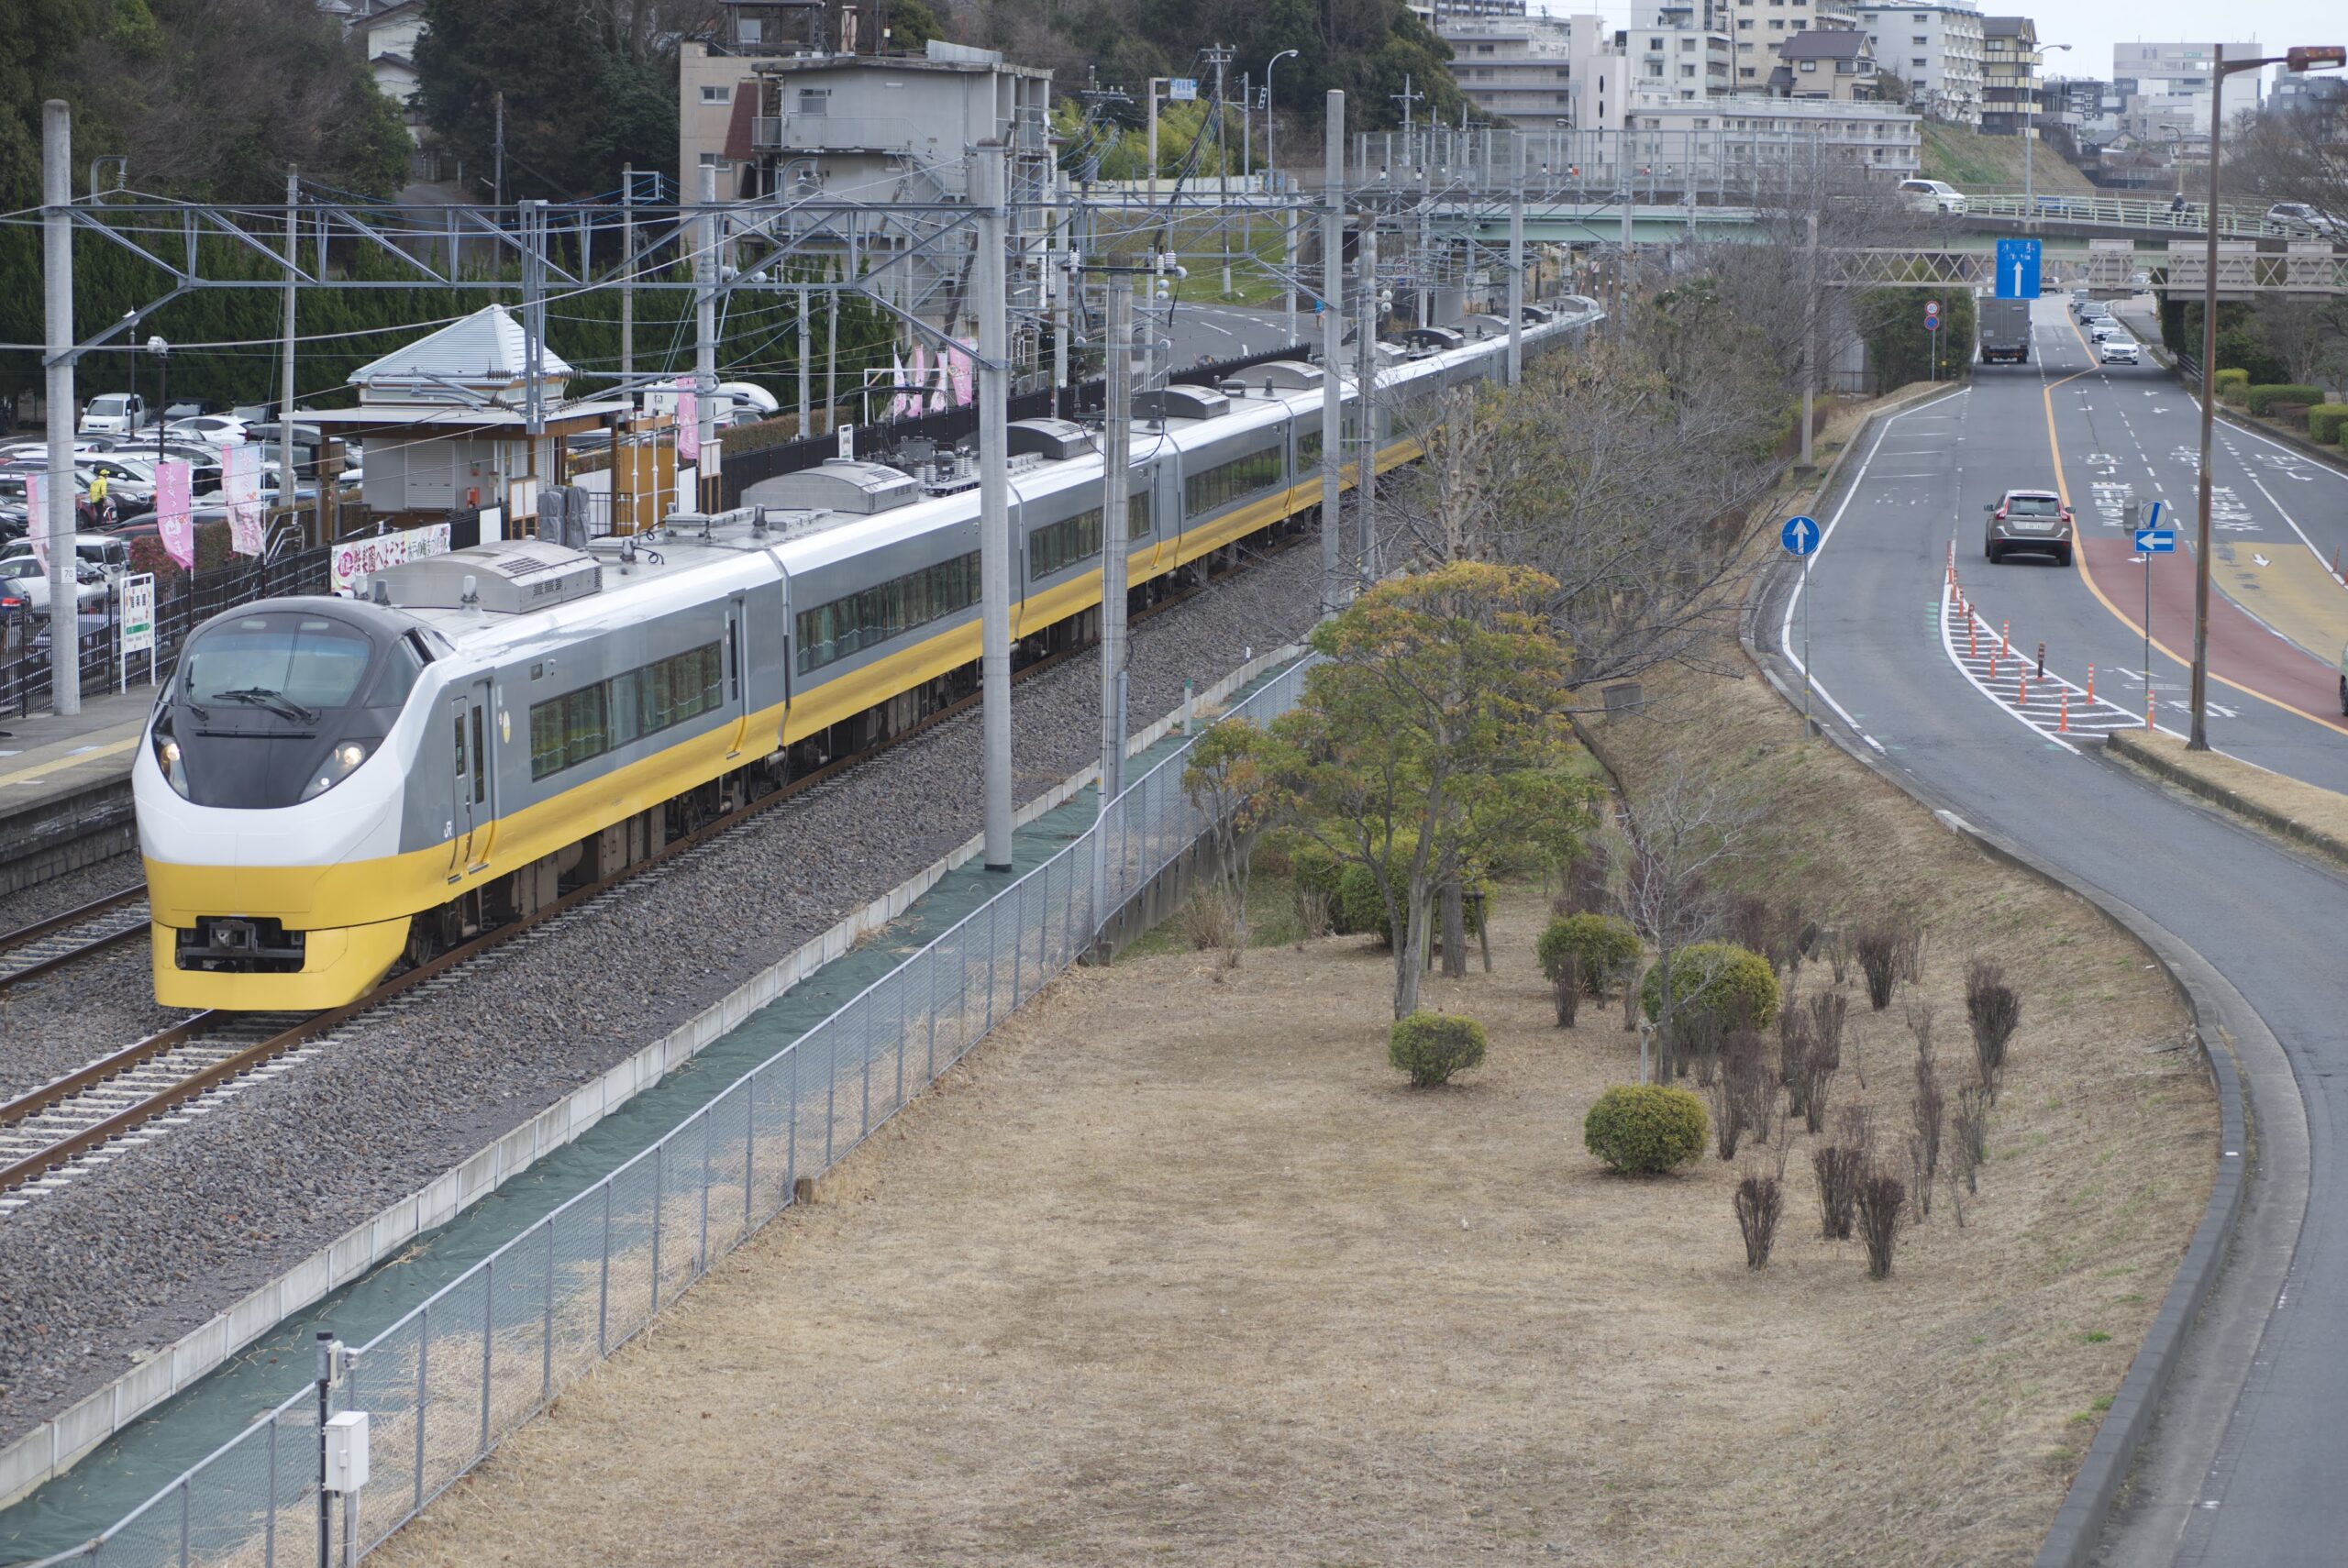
<point>50,944</point>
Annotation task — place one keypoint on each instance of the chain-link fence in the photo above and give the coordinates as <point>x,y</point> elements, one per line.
<point>445,1384</point>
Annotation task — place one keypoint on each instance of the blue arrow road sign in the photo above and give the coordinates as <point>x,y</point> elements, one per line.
<point>2156,541</point>
<point>1799,534</point>
<point>2017,268</point>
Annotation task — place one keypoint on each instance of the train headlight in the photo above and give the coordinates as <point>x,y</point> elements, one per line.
<point>340,764</point>
<point>167,757</point>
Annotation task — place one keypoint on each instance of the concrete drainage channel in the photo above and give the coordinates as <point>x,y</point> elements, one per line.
<point>244,1361</point>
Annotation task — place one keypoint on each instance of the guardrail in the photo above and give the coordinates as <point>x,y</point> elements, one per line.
<point>2136,212</point>
<point>486,1354</point>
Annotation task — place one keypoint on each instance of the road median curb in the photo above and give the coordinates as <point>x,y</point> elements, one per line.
<point>2073,1539</point>
<point>2129,749</point>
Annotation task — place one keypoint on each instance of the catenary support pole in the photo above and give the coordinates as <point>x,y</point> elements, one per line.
<point>1115,500</point>
<point>806,365</point>
<point>705,328</point>
<point>1333,338</point>
<point>1516,263</point>
<point>1373,314</point>
<point>831,358</point>
<point>994,505</point>
<point>285,355</point>
<point>627,282</point>
<point>1809,334</point>
<point>325,1413</point>
<point>1061,283</point>
<point>57,268</point>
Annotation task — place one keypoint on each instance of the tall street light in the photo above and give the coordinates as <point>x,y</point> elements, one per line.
<point>2029,135</point>
<point>2314,58</point>
<point>1270,162</point>
<point>162,351</point>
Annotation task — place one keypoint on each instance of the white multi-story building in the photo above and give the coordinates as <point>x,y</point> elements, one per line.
<point>1539,73</point>
<point>1679,53</point>
<point>1934,45</point>
<point>1748,135</point>
<point>2165,88</point>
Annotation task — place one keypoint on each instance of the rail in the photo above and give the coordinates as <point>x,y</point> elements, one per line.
<point>45,945</point>
<point>489,1351</point>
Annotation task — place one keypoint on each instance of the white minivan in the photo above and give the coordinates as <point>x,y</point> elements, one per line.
<point>1931,197</point>
<point>113,413</point>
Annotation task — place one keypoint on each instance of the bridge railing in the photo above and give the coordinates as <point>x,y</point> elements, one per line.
<point>2131,212</point>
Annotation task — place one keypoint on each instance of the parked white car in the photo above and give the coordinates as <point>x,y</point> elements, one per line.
<point>215,430</point>
<point>24,586</point>
<point>1931,197</point>
<point>2118,351</point>
<point>113,413</point>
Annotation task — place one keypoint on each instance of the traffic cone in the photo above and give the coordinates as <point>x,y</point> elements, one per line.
<point>2090,683</point>
<point>1993,664</point>
<point>1972,639</point>
<point>2063,724</point>
<point>2021,689</point>
<point>2005,637</point>
<point>2148,709</point>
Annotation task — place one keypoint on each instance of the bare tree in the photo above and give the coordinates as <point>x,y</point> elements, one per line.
<point>1683,833</point>
<point>2307,334</point>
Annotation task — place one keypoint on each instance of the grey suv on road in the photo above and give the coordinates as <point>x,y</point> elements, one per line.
<point>2028,520</point>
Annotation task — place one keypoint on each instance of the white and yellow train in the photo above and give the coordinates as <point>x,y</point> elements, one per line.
<point>329,785</point>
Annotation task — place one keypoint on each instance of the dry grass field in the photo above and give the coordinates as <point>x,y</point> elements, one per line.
<point>1174,1269</point>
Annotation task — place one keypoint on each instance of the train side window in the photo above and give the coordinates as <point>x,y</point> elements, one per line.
<point>460,748</point>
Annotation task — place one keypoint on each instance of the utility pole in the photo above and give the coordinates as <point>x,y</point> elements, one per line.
<point>1116,489</point>
<point>704,329</point>
<point>499,199</point>
<point>1332,339</point>
<point>994,506</point>
<point>1366,396</point>
<point>806,354</point>
<point>1061,282</point>
<point>831,358</point>
<point>285,360</point>
<point>1219,56</point>
<point>532,218</point>
<point>1516,263</point>
<point>57,266</point>
<point>627,282</point>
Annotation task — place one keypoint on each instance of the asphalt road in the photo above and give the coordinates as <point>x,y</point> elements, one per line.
<point>2246,1465</point>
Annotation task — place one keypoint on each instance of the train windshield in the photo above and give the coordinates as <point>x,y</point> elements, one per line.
<point>294,665</point>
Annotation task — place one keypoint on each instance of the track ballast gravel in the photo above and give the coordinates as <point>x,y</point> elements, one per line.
<point>127,1259</point>
<point>70,892</point>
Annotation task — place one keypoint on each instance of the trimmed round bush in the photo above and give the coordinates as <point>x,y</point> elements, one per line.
<point>1641,1129</point>
<point>2266,399</point>
<point>1734,983</point>
<point>1431,1046</point>
<point>1604,946</point>
<point>2230,381</point>
<point>2327,423</point>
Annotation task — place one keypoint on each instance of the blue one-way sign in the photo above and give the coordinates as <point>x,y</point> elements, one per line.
<point>2156,541</point>
<point>2017,268</point>
<point>1799,534</point>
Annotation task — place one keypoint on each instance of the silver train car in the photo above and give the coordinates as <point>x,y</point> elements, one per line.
<point>330,786</point>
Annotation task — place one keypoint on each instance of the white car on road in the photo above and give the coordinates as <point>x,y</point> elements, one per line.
<point>1931,197</point>
<point>2118,352</point>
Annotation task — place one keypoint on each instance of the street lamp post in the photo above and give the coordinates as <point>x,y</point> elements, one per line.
<point>2305,59</point>
<point>2029,135</point>
<point>162,352</point>
<point>1270,162</point>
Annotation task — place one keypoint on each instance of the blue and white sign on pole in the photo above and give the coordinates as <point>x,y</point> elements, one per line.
<point>2018,269</point>
<point>2156,541</point>
<point>1801,536</point>
<point>1182,90</point>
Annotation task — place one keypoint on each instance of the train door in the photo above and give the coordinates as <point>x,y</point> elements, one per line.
<point>475,817</point>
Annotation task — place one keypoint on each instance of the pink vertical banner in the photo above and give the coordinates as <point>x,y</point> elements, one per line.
<point>240,489</point>
<point>919,401</point>
<point>688,424</point>
<point>175,509</point>
<point>37,517</point>
<point>965,370</point>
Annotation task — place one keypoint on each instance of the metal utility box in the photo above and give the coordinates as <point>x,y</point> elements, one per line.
<point>347,1452</point>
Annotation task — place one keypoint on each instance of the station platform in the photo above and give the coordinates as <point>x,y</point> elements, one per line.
<point>65,789</point>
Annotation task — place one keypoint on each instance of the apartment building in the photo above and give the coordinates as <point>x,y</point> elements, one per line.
<point>2009,74</point>
<point>1936,49</point>
<point>1539,73</point>
<point>1758,26</point>
<point>1748,136</point>
<point>1680,52</point>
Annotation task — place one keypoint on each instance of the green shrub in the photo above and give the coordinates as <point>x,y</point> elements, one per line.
<point>1431,1046</point>
<point>1603,945</point>
<point>2232,383</point>
<point>1734,983</point>
<point>2262,399</point>
<point>2327,422</point>
<point>1646,1127</point>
